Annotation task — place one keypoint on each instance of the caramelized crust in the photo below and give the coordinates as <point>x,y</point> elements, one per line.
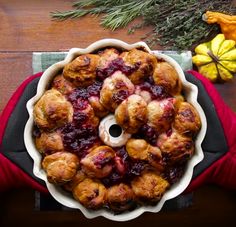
<point>161,114</point>
<point>131,113</point>
<point>79,177</point>
<point>98,162</point>
<point>165,75</point>
<point>99,110</point>
<point>120,197</point>
<point>52,110</point>
<point>175,147</point>
<point>49,142</point>
<point>142,62</point>
<point>149,186</point>
<point>82,70</point>
<point>63,85</point>
<point>91,193</point>
<point>107,56</point>
<point>60,167</point>
<point>115,89</point>
<point>187,120</point>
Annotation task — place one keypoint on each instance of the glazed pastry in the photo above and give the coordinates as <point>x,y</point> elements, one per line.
<point>140,149</point>
<point>52,110</point>
<point>146,95</point>
<point>160,114</point>
<point>107,56</point>
<point>82,70</point>
<point>60,167</point>
<point>49,142</point>
<point>86,115</point>
<point>166,76</point>
<point>120,197</point>
<point>98,162</point>
<point>187,120</point>
<point>90,193</point>
<point>155,158</point>
<point>142,62</point>
<point>115,89</point>
<point>62,85</point>
<point>131,113</point>
<point>99,110</point>
<point>149,186</point>
<point>175,147</point>
<point>79,177</point>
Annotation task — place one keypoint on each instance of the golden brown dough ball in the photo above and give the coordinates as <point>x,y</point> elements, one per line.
<point>82,70</point>
<point>90,193</point>
<point>165,75</point>
<point>146,95</point>
<point>120,197</point>
<point>99,109</point>
<point>60,167</point>
<point>149,186</point>
<point>98,162</point>
<point>49,142</point>
<point>137,149</point>
<point>140,149</point>
<point>63,85</point>
<point>160,114</point>
<point>87,115</point>
<point>187,120</point>
<point>155,158</point>
<point>52,110</point>
<point>107,56</point>
<point>79,177</point>
<point>131,114</point>
<point>175,147</point>
<point>143,63</point>
<point>115,89</point>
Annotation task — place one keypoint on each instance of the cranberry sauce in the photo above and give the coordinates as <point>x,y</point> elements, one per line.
<point>148,133</point>
<point>124,169</point>
<point>115,65</point>
<point>156,91</point>
<point>79,135</point>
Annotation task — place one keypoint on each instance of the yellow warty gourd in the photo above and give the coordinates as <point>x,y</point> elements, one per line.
<point>216,59</point>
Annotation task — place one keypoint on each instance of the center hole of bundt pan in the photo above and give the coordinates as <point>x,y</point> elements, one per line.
<point>115,130</point>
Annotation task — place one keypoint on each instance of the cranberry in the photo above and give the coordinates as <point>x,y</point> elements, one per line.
<point>136,168</point>
<point>117,64</point>
<point>119,96</point>
<point>80,104</point>
<point>148,133</point>
<point>79,116</point>
<point>78,93</point>
<point>94,89</point>
<point>158,92</point>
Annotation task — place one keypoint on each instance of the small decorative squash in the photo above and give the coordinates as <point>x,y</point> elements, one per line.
<point>227,23</point>
<point>216,59</point>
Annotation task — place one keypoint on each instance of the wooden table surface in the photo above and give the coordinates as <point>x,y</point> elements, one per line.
<point>25,27</point>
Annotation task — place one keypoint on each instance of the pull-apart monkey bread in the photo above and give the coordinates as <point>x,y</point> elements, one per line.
<point>145,96</point>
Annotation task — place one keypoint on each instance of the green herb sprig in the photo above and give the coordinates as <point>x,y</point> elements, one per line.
<point>177,24</point>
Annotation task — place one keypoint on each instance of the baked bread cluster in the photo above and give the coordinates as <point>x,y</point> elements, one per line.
<point>144,94</point>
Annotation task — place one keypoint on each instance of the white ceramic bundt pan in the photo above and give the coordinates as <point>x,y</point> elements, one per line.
<point>65,198</point>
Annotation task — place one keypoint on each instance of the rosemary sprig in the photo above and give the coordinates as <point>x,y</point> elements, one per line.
<point>177,24</point>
